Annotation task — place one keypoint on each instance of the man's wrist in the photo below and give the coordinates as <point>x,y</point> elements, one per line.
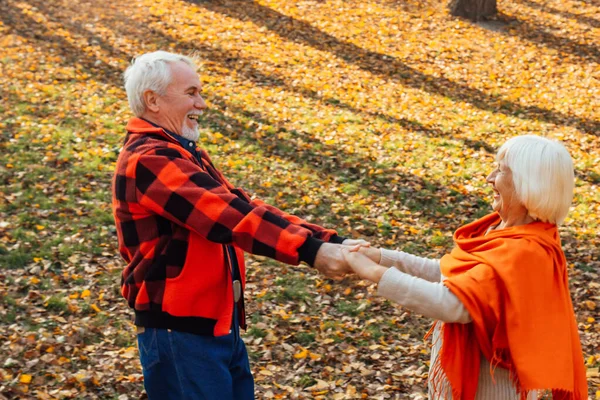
<point>337,239</point>
<point>309,249</point>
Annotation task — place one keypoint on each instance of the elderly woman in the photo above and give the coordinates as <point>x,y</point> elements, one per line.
<point>505,323</point>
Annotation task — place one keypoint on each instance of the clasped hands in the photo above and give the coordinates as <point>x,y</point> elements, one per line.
<point>352,256</point>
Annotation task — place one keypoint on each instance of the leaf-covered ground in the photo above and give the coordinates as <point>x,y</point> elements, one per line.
<point>378,117</point>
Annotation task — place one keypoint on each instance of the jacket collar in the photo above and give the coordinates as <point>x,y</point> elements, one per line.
<point>143,126</point>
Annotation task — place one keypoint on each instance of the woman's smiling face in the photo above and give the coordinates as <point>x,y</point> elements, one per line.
<point>506,202</point>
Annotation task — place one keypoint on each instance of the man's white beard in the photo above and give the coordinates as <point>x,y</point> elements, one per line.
<point>190,133</point>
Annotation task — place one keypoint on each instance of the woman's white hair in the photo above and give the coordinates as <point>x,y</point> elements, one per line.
<point>542,172</point>
<point>150,71</point>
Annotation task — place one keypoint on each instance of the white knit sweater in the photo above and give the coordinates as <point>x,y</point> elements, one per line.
<point>416,284</point>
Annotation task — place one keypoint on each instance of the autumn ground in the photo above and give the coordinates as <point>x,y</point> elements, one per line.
<point>378,117</point>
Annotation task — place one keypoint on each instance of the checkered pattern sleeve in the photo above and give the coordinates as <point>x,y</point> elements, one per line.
<point>327,235</point>
<point>176,188</point>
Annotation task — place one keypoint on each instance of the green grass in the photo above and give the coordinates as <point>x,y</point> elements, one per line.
<point>368,153</point>
<point>348,308</point>
<point>294,288</point>
<point>306,381</point>
<point>257,333</point>
<point>57,304</point>
<point>375,331</point>
<point>15,259</point>
<point>304,338</point>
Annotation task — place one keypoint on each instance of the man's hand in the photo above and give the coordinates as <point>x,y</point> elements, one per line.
<point>363,266</point>
<point>330,261</point>
<point>356,242</point>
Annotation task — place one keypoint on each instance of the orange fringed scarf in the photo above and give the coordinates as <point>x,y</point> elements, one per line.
<point>514,284</point>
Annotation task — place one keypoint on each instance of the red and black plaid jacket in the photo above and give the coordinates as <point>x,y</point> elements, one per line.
<point>174,212</point>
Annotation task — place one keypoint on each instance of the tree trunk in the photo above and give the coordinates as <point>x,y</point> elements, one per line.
<point>473,9</point>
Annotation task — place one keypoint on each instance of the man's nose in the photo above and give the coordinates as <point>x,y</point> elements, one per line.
<point>201,104</point>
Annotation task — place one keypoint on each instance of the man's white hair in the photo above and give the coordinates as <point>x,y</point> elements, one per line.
<point>150,71</point>
<point>542,172</point>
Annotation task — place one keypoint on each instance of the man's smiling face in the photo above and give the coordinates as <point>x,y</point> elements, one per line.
<point>181,106</point>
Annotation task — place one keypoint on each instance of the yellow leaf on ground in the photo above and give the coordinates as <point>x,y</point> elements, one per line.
<point>282,314</point>
<point>129,352</point>
<point>590,360</point>
<point>25,378</point>
<point>63,360</point>
<point>302,354</point>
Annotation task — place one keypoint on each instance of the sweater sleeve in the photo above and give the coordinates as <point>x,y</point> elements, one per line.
<point>431,299</point>
<point>425,268</point>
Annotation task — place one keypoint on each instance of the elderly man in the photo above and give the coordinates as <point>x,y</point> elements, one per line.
<point>182,229</point>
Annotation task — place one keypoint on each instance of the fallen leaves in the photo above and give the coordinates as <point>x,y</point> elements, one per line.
<point>379,118</point>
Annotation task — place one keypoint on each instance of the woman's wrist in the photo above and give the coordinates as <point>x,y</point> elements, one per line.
<point>377,273</point>
<point>372,252</point>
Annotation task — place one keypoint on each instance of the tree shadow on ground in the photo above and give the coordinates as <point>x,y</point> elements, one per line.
<point>245,69</point>
<point>23,25</point>
<point>539,34</point>
<point>18,23</point>
<point>385,65</point>
<point>583,19</point>
<point>434,200</point>
<point>409,6</point>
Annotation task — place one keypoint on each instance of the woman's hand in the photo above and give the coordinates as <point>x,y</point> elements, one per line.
<point>372,252</point>
<point>356,242</point>
<point>363,266</point>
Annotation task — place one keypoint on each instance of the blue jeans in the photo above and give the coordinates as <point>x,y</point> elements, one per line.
<point>179,365</point>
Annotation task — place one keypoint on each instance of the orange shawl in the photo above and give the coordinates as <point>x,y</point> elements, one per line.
<point>514,284</point>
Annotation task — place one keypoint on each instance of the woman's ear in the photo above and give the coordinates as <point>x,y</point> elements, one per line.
<point>151,101</point>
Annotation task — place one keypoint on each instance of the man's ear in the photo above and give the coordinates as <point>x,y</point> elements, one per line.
<point>151,101</point>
